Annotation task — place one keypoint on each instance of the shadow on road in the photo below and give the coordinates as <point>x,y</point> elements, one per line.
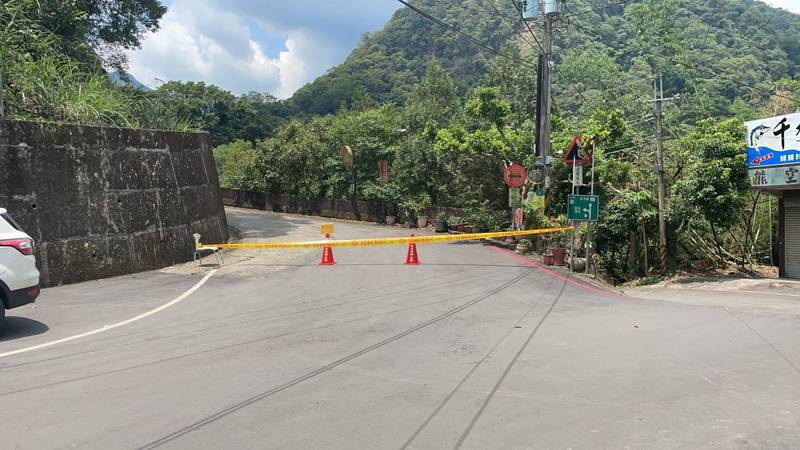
<point>258,228</point>
<point>19,327</point>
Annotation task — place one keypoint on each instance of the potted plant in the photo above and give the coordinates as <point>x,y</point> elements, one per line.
<point>408,207</point>
<point>388,196</point>
<point>441,222</point>
<point>523,246</point>
<point>558,241</point>
<point>424,202</point>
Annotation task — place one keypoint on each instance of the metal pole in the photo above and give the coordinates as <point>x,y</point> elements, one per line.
<point>589,229</point>
<point>769,205</point>
<point>572,241</point>
<point>662,223</point>
<point>2,103</point>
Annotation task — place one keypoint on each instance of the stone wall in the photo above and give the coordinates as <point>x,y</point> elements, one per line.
<point>102,202</point>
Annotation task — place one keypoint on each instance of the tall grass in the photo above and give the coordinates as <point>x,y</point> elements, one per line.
<point>40,82</point>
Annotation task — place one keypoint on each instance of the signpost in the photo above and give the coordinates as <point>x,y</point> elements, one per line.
<point>514,197</point>
<point>583,208</point>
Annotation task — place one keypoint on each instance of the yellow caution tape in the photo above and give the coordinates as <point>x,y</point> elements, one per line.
<point>386,241</point>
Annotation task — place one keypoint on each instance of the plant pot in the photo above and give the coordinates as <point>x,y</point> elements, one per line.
<point>558,256</point>
<point>577,264</point>
<point>522,248</point>
<point>422,221</point>
<point>538,244</point>
<point>441,226</point>
<point>391,220</point>
<point>461,227</point>
<point>547,260</point>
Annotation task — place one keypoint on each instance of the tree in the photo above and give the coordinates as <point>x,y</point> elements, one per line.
<point>207,107</point>
<point>237,163</point>
<point>88,28</point>
<point>714,182</point>
<point>434,102</point>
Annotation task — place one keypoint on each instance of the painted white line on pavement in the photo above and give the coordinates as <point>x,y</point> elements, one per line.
<point>116,325</point>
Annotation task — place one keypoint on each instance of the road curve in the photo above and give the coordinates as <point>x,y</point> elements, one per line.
<point>471,349</point>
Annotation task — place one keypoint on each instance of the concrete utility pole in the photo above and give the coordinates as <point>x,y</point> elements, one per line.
<point>658,101</point>
<point>543,143</point>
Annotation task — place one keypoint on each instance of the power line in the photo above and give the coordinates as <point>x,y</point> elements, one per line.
<point>472,39</point>
<point>711,72</point>
<point>578,91</point>
<point>708,31</point>
<point>620,3</point>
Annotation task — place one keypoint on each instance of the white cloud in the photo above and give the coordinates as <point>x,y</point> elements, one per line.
<point>790,5</point>
<point>200,44</point>
<point>223,42</point>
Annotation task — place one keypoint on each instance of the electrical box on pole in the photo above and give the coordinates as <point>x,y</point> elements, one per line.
<point>531,9</point>
<point>552,7</point>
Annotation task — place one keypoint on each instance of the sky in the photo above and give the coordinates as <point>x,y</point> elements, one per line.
<point>791,5</point>
<point>273,46</point>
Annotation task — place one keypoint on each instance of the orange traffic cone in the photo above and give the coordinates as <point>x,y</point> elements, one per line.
<point>411,256</point>
<point>327,254</point>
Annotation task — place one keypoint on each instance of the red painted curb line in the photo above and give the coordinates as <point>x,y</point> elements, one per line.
<point>553,274</point>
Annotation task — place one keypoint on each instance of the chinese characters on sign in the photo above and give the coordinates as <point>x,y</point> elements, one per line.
<point>773,141</point>
<point>785,176</point>
<point>583,207</point>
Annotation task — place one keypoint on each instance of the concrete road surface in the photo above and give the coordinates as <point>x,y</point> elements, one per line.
<point>471,349</point>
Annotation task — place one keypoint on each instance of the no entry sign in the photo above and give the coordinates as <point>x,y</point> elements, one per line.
<point>515,175</point>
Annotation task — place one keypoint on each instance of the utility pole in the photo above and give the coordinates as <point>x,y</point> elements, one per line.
<point>658,101</point>
<point>548,10</point>
<point>543,143</point>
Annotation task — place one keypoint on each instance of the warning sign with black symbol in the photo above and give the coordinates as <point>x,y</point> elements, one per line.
<point>576,153</point>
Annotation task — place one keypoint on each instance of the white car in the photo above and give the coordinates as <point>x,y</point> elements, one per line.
<point>19,277</point>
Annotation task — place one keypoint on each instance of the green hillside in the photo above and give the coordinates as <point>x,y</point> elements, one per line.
<point>712,51</point>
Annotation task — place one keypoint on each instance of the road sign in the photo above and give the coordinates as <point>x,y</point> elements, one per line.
<point>537,173</point>
<point>768,177</point>
<point>347,156</point>
<point>383,172</point>
<point>518,217</point>
<point>583,207</point>
<point>515,175</point>
<point>773,141</point>
<point>576,154</point>
<point>326,228</point>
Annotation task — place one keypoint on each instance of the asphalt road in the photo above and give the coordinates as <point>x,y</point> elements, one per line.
<point>471,349</point>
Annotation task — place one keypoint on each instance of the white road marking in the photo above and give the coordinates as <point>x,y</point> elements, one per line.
<point>115,325</point>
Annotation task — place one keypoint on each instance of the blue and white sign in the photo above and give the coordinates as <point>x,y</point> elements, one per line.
<point>773,141</point>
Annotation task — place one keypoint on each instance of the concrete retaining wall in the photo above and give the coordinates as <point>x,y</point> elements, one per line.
<point>102,202</point>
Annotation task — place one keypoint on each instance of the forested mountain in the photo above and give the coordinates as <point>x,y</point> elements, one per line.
<point>715,51</point>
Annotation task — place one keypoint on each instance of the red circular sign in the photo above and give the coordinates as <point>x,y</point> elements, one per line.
<point>515,175</point>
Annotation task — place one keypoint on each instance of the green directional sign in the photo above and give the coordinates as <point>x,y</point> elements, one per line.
<point>583,207</point>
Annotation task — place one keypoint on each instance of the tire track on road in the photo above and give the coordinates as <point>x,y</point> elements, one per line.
<point>507,370</point>
<point>474,368</point>
<point>270,392</point>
